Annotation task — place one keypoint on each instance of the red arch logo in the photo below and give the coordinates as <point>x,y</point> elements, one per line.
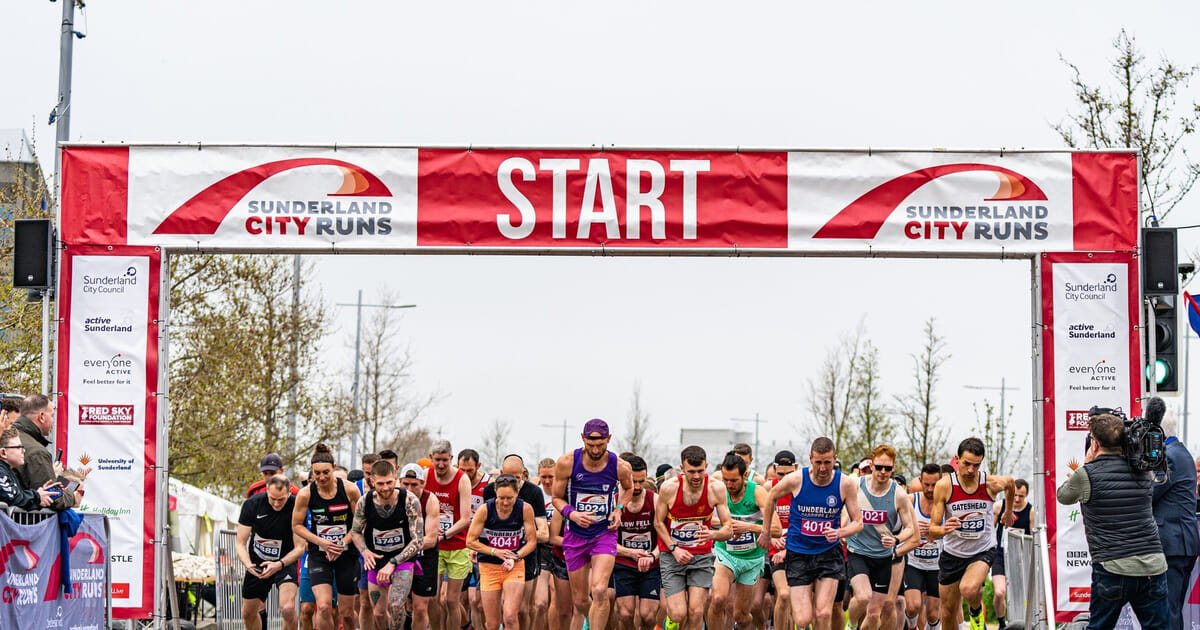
<point>865,215</point>
<point>203,213</point>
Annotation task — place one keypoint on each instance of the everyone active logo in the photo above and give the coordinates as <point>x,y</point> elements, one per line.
<point>865,216</point>
<point>204,212</point>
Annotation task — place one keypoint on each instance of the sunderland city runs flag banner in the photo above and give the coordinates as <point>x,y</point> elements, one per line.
<point>32,574</point>
<point>404,199</point>
<point>1091,356</point>
<point>108,411</point>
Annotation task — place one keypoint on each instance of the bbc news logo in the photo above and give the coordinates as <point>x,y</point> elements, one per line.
<point>1077,420</point>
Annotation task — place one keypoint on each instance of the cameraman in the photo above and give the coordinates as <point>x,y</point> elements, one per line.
<point>1128,564</point>
<point>1174,511</point>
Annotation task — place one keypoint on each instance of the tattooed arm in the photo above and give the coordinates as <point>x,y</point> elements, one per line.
<point>356,533</point>
<point>416,529</point>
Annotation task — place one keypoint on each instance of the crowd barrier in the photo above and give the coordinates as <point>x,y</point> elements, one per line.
<point>26,598</point>
<point>230,573</point>
<point>1021,566</point>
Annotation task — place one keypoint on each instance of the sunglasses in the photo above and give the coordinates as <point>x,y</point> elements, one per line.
<point>884,468</point>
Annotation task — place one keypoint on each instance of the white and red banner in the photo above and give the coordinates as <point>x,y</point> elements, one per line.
<point>108,373</point>
<point>36,571</point>
<point>405,199</point>
<point>1091,355</point>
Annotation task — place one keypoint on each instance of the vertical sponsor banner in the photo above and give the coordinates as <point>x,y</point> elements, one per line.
<point>1091,357</point>
<point>33,571</point>
<point>108,376</point>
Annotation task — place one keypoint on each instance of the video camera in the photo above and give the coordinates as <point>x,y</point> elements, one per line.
<point>1145,441</point>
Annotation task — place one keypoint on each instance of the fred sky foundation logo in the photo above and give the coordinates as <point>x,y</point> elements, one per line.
<point>1012,213</point>
<point>367,214</point>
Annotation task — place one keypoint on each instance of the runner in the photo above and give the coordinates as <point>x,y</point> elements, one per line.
<point>332,560</point>
<point>683,515</point>
<point>740,560</point>
<point>875,566</point>
<point>366,609</point>
<point>585,482</point>
<point>389,530</point>
<point>453,490</point>
<point>1024,522</point>
<point>814,563</point>
<point>554,568</point>
<point>785,464</point>
<point>425,579</point>
<point>921,572</point>
<point>636,575</point>
<point>965,500</point>
<point>468,462</point>
<point>503,532</point>
<point>531,495</point>
<point>269,466</point>
<point>270,551</point>
<point>743,451</point>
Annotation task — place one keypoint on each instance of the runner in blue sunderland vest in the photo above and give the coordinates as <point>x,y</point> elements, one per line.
<point>587,484</point>
<point>814,562</point>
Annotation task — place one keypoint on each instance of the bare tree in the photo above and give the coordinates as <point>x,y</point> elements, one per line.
<point>871,418</point>
<point>1003,445</point>
<point>638,431</point>
<point>832,397</point>
<point>1141,111</point>
<point>493,445</point>
<point>925,437</point>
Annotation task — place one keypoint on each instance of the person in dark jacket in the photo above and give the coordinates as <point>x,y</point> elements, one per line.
<point>12,454</point>
<point>1127,558</point>
<point>1174,505</point>
<point>35,423</point>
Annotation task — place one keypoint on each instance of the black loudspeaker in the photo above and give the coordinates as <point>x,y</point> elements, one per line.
<point>1160,262</point>
<point>33,254</point>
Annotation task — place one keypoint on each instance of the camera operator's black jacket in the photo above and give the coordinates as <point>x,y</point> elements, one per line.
<point>1117,516</point>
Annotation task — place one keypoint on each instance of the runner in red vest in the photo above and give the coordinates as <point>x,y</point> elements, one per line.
<point>682,516</point>
<point>453,490</point>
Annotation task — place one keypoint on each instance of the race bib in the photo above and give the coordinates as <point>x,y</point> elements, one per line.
<point>874,517</point>
<point>639,541</point>
<point>503,539</point>
<point>684,532</point>
<point>972,525</point>
<point>388,540</point>
<point>445,517</point>
<point>549,510</point>
<point>927,552</point>
<point>810,527</point>
<point>476,501</point>
<point>745,541</point>
<point>594,504</point>
<point>331,532</point>
<point>266,548</point>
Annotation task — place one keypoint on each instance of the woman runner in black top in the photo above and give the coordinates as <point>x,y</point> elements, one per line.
<point>332,558</point>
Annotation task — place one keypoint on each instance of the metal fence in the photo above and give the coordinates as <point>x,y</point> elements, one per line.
<point>1022,566</point>
<point>229,586</point>
<point>26,517</point>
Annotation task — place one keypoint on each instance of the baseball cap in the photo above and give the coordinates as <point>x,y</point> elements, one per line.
<point>270,461</point>
<point>865,462</point>
<point>785,458</point>
<point>595,425</point>
<point>414,471</point>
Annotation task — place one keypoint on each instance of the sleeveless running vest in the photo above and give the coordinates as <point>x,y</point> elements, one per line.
<point>814,510</point>
<point>685,521</point>
<point>637,530</point>
<point>386,536</point>
<point>593,493</point>
<point>924,557</point>
<point>879,517</point>
<point>977,532</point>
<point>447,495</point>
<point>331,518</point>
<point>477,492</point>
<point>505,534</point>
<point>744,545</point>
<point>783,508</point>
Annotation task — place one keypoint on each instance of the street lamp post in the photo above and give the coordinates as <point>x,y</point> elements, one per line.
<point>562,426</point>
<point>757,421</point>
<point>1003,389</point>
<point>357,359</point>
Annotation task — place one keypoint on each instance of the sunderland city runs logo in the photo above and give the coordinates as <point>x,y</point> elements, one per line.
<point>204,212</point>
<point>965,220</point>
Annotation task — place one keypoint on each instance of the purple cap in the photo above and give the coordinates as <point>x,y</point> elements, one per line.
<point>595,425</point>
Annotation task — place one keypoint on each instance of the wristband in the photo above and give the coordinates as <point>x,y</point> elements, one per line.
<point>566,511</point>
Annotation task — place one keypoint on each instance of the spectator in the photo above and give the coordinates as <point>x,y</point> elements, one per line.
<point>1173,512</point>
<point>12,454</point>
<point>35,423</point>
<point>269,466</point>
<point>10,410</point>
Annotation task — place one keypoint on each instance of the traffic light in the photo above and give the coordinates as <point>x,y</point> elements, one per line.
<point>1160,285</point>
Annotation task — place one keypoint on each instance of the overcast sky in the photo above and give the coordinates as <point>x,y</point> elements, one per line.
<point>535,340</point>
